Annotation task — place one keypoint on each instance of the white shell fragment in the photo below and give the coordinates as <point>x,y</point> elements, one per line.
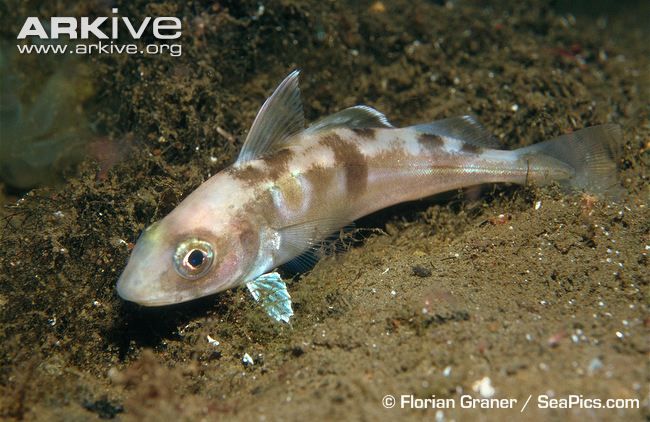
<point>247,360</point>
<point>212,341</point>
<point>484,387</point>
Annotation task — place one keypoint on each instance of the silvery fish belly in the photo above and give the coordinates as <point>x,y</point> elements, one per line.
<point>291,187</point>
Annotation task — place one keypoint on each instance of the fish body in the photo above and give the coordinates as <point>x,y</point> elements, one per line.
<point>292,187</point>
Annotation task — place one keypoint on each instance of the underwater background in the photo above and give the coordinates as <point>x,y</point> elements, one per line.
<point>507,292</point>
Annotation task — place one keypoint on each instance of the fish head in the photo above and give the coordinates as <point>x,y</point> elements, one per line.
<point>170,265</point>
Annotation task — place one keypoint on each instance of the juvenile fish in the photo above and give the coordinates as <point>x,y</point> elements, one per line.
<point>293,186</point>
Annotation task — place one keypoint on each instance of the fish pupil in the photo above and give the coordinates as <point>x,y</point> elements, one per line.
<point>196,258</point>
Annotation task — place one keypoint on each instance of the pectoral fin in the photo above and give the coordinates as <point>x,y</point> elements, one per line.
<point>271,292</point>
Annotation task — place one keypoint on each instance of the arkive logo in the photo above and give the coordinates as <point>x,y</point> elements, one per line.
<point>163,27</point>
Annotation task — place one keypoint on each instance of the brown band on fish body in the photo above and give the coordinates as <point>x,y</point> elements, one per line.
<point>349,156</point>
<point>260,205</point>
<point>320,180</point>
<point>248,236</point>
<point>277,164</point>
<point>471,148</point>
<point>248,174</point>
<point>364,132</point>
<point>430,141</point>
<point>292,192</point>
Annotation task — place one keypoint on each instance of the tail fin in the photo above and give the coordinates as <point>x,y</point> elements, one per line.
<point>592,153</point>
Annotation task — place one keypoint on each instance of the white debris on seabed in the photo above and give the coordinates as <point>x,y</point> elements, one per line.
<point>260,11</point>
<point>440,416</point>
<point>446,372</point>
<point>594,366</point>
<point>538,205</point>
<point>484,387</point>
<point>212,341</point>
<point>247,360</point>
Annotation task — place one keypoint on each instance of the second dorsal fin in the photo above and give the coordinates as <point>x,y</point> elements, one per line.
<point>279,119</point>
<point>354,117</point>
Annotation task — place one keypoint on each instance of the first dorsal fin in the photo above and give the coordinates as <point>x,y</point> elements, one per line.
<point>463,128</point>
<point>279,119</point>
<point>354,117</point>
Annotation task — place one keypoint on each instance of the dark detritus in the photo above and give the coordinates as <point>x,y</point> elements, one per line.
<point>104,408</point>
<point>348,155</point>
<point>420,271</point>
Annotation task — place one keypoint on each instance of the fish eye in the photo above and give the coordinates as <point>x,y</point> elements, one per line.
<point>193,258</point>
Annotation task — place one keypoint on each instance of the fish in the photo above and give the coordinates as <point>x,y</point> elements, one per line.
<point>292,186</point>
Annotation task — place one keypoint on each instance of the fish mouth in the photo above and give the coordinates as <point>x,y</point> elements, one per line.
<point>135,290</point>
<point>141,294</point>
<point>145,302</point>
<point>132,295</point>
<point>126,291</point>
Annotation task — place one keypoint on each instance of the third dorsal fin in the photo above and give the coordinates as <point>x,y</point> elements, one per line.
<point>463,128</point>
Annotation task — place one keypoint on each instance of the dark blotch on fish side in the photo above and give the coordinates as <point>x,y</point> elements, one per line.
<point>421,271</point>
<point>248,174</point>
<point>348,156</point>
<point>471,148</point>
<point>277,164</point>
<point>430,141</point>
<point>320,178</point>
<point>364,132</point>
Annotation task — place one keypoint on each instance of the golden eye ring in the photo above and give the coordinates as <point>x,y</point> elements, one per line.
<point>193,258</point>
